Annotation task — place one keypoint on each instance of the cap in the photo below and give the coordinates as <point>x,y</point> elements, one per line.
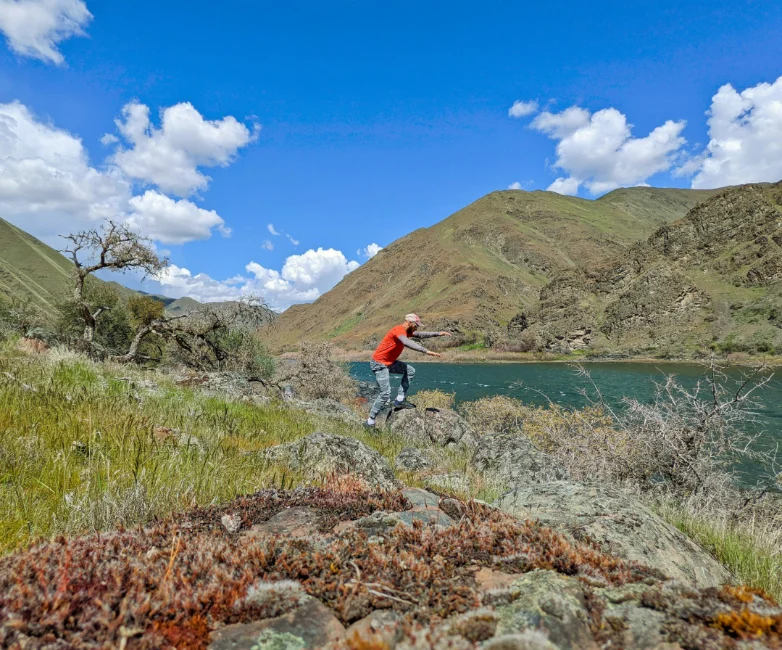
<point>413,318</point>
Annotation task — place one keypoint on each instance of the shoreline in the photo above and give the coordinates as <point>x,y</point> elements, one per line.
<point>736,360</point>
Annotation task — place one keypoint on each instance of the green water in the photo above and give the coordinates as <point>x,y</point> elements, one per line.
<point>533,382</point>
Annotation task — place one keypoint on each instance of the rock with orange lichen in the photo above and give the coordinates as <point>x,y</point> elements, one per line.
<point>350,567</point>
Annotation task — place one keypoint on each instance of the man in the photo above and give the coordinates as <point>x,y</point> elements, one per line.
<point>384,362</point>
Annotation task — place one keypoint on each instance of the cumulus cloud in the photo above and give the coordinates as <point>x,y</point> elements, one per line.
<point>598,151</point>
<point>270,227</point>
<point>170,156</point>
<point>267,245</point>
<point>293,241</point>
<point>302,279</point>
<point>745,131</point>
<point>45,171</point>
<point>164,219</point>
<point>370,251</point>
<point>35,27</point>
<point>515,185</point>
<point>48,187</point>
<point>521,109</point>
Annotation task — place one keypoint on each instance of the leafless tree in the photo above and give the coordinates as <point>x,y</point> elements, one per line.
<point>113,246</point>
<point>203,335</point>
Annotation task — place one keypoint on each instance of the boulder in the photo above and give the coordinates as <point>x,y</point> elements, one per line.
<point>321,454</point>
<point>328,408</point>
<point>548,602</point>
<point>411,459</point>
<point>312,625</point>
<point>441,427</point>
<point>514,460</point>
<point>620,524</point>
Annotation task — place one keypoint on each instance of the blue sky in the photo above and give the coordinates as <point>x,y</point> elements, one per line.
<point>346,124</point>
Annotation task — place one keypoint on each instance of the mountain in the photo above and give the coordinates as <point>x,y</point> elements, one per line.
<point>711,278</point>
<point>28,267</point>
<point>482,265</point>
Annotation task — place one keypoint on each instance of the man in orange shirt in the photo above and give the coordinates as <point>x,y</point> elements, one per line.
<point>385,362</point>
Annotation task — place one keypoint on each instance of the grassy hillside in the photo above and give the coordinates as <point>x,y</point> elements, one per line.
<point>28,267</point>
<point>31,269</point>
<point>482,264</point>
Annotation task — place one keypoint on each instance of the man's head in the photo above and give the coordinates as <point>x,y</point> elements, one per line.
<point>413,322</point>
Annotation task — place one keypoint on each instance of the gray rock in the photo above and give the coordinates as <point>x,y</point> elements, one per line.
<point>328,408</point>
<point>311,625</point>
<point>623,526</point>
<point>419,498</point>
<point>441,427</point>
<point>321,454</point>
<point>514,460</point>
<point>549,602</point>
<point>411,459</point>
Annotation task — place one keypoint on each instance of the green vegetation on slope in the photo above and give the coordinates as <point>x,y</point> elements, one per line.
<point>482,264</point>
<point>30,268</point>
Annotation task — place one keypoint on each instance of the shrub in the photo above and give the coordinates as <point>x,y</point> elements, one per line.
<point>437,399</point>
<point>315,375</point>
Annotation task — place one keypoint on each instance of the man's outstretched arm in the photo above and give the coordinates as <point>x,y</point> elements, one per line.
<point>429,335</point>
<point>412,344</point>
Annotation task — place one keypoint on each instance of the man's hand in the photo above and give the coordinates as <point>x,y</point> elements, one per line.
<point>445,334</point>
<point>429,353</point>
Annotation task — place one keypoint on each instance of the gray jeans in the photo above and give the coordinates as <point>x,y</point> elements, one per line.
<point>383,379</point>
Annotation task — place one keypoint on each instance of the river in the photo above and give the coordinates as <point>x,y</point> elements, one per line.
<point>535,382</point>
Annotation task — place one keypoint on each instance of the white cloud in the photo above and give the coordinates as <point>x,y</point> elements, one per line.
<point>267,245</point>
<point>370,251</point>
<point>745,131</point>
<point>302,279</point>
<point>515,185</point>
<point>170,221</point>
<point>48,187</point>
<point>45,172</point>
<point>170,156</point>
<point>521,109</point>
<point>280,233</point>
<point>598,151</point>
<point>35,27</point>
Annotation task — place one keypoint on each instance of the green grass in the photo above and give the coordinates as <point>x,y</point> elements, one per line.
<point>751,551</point>
<point>83,446</point>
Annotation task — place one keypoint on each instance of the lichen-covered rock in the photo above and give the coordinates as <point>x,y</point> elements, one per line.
<point>441,427</point>
<point>514,460</point>
<point>311,625</point>
<point>411,459</point>
<point>449,483</point>
<point>328,408</point>
<point>322,454</point>
<point>619,523</point>
<point>551,602</point>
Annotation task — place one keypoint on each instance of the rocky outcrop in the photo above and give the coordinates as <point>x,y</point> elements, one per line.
<point>511,459</point>
<point>411,459</point>
<point>320,455</point>
<point>621,525</point>
<point>440,427</point>
<point>329,409</point>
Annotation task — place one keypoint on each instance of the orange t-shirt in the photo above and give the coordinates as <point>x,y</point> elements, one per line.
<point>391,347</point>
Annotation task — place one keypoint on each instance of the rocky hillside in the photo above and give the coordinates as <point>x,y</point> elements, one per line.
<point>714,277</point>
<point>485,263</point>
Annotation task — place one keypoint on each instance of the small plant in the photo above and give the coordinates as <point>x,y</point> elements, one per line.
<point>436,398</point>
<point>314,374</point>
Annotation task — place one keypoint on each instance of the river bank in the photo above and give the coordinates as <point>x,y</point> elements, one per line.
<point>488,357</point>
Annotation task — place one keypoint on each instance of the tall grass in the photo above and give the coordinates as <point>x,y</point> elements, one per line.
<point>751,549</point>
<point>86,446</point>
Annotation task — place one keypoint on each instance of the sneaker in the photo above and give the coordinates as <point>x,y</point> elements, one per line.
<point>368,426</point>
<point>403,405</point>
